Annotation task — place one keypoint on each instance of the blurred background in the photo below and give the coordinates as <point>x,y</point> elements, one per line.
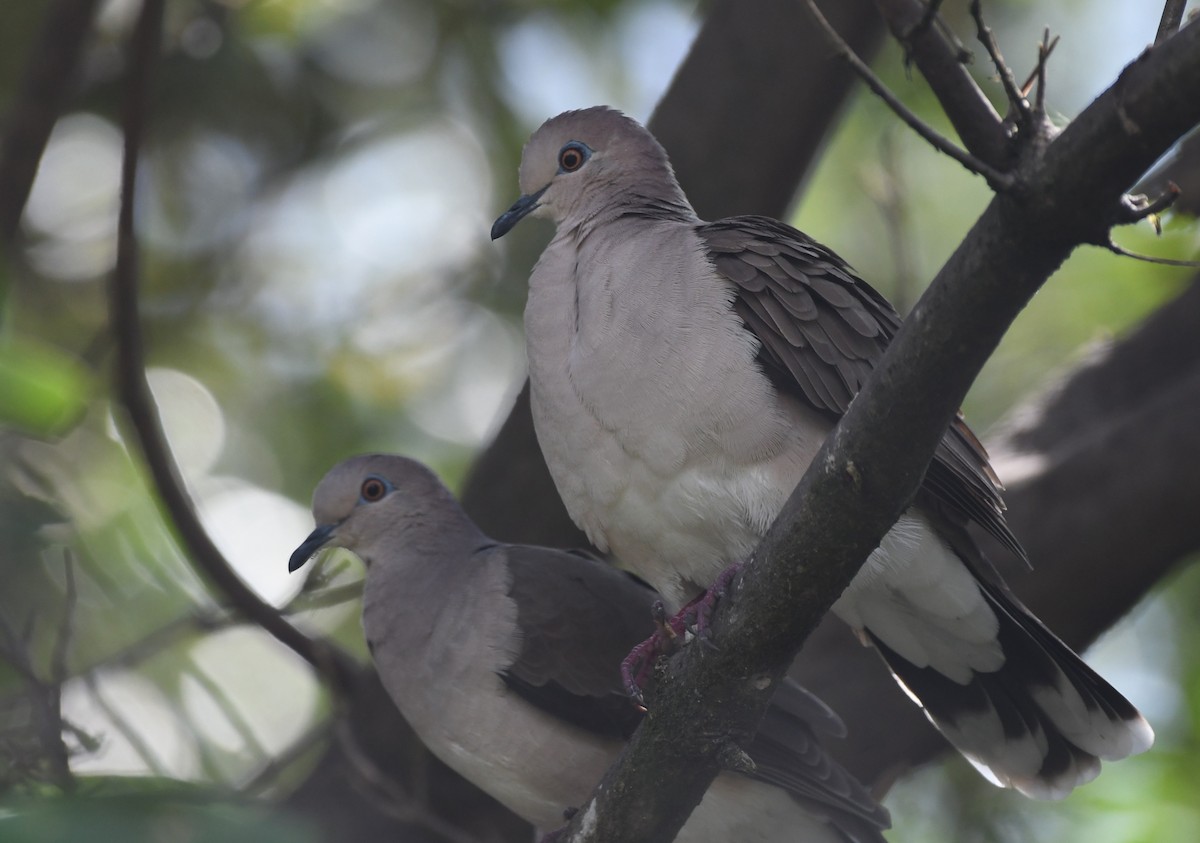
<point>317,281</point>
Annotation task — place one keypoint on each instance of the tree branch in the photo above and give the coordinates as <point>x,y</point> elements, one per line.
<point>872,464</point>
<point>1129,412</point>
<point>970,112</point>
<point>49,72</point>
<point>1172,16</point>
<point>997,180</point>
<point>134,391</point>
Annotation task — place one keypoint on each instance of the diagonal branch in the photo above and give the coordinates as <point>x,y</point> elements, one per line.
<point>134,391</point>
<point>1016,100</point>
<point>1172,16</point>
<point>997,180</point>
<point>969,110</point>
<point>872,463</point>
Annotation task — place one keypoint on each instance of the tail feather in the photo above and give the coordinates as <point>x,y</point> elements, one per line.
<point>1039,723</point>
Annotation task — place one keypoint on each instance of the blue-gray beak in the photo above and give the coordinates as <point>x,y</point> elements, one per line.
<point>315,541</point>
<point>505,222</point>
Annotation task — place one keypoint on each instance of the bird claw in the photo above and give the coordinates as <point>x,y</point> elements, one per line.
<point>706,604</point>
<point>670,632</point>
<point>637,666</point>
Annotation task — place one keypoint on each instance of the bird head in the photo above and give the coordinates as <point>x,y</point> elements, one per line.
<point>580,161</point>
<point>367,497</point>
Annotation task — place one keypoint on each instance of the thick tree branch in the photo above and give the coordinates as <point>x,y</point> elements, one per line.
<point>872,464</point>
<point>1172,16</point>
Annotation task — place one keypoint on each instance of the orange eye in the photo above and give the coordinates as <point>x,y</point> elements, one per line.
<point>373,489</point>
<point>570,159</point>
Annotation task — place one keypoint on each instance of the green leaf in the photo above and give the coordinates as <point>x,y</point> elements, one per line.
<point>42,390</point>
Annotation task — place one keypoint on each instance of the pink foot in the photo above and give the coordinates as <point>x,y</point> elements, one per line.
<point>636,668</point>
<point>707,602</point>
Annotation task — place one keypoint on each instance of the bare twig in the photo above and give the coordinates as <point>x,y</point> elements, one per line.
<point>892,206</point>
<point>1038,74</point>
<point>60,758</point>
<point>988,39</point>
<point>931,19</point>
<point>220,698</point>
<point>148,645</point>
<point>1125,253</point>
<point>58,660</point>
<point>278,764</point>
<point>132,736</point>
<point>134,391</point>
<point>1172,16</point>
<point>323,598</point>
<point>940,60</point>
<point>997,180</point>
<point>1044,50</point>
<point>49,71</point>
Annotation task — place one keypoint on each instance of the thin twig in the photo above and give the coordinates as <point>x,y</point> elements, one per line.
<point>134,392</point>
<point>1038,74</point>
<point>1125,253</point>
<point>60,757</point>
<point>988,39</point>
<point>134,738</point>
<point>220,698</point>
<point>1172,16</point>
<point>148,645</point>
<point>997,180</point>
<point>278,764</point>
<point>308,601</point>
<point>58,660</point>
<point>895,217</point>
<point>940,58</point>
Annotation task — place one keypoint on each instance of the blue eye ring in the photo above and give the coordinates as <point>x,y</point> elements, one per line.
<point>373,489</point>
<point>572,156</point>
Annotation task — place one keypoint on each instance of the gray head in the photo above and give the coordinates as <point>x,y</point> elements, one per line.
<point>367,498</point>
<point>581,161</point>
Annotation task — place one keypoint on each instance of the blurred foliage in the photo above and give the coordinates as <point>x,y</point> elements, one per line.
<point>317,281</point>
<point>150,810</point>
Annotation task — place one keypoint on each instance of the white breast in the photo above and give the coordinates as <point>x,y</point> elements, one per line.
<point>662,435</point>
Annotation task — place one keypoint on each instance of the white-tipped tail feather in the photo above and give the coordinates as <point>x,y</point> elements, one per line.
<point>1041,722</point>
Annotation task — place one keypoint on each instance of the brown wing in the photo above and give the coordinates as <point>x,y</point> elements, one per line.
<point>579,618</point>
<point>821,330</point>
